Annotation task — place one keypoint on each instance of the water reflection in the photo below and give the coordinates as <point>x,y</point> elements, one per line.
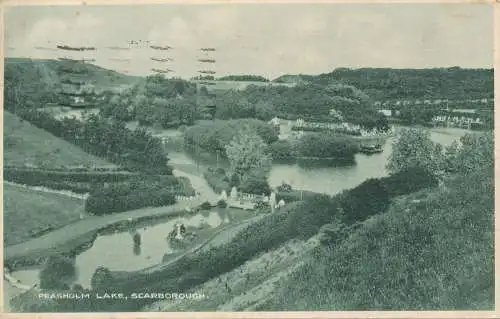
<point>149,245</point>
<point>136,243</point>
<point>113,250</point>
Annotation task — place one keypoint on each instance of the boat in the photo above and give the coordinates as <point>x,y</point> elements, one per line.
<point>371,149</point>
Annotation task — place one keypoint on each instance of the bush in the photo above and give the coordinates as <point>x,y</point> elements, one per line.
<point>220,171</point>
<point>221,204</point>
<point>365,200</point>
<point>217,182</point>
<point>284,187</point>
<point>213,136</point>
<point>37,176</point>
<point>326,145</point>
<point>409,181</point>
<point>256,185</point>
<point>281,150</point>
<point>206,205</point>
<point>55,271</point>
<point>101,278</point>
<point>122,197</point>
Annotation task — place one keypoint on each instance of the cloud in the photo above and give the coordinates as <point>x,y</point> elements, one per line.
<point>46,31</point>
<point>218,24</point>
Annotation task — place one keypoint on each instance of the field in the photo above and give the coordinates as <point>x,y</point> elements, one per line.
<point>27,211</point>
<point>239,85</point>
<point>24,143</point>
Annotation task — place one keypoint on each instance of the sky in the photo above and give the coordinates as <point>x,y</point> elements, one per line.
<point>261,39</point>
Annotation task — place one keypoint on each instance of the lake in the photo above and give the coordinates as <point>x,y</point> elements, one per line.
<point>322,179</point>
<point>116,251</point>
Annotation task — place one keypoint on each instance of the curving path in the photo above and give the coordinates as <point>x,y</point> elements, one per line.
<point>70,232</point>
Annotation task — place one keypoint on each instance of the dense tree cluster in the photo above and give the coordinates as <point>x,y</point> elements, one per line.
<point>215,135</point>
<point>154,101</point>
<point>134,150</point>
<point>311,102</point>
<point>326,145</point>
<point>386,84</point>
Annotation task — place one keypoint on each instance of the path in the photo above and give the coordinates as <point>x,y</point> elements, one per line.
<point>42,189</point>
<point>200,185</point>
<point>91,224</point>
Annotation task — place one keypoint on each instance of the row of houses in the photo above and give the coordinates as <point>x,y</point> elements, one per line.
<point>469,122</point>
<point>433,102</point>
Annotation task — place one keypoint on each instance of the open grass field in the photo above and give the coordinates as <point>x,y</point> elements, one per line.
<point>27,210</point>
<point>239,85</point>
<point>24,143</point>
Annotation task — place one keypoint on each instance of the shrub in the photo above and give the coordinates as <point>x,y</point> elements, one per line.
<point>221,204</point>
<point>234,181</point>
<point>55,271</point>
<point>281,150</point>
<point>284,187</point>
<point>255,185</point>
<point>220,171</point>
<point>122,197</point>
<point>409,181</point>
<point>215,135</point>
<point>326,145</point>
<point>206,205</point>
<point>365,200</point>
<point>101,278</point>
<point>216,181</point>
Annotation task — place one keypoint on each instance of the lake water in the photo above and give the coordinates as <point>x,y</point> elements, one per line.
<point>326,179</point>
<point>116,251</point>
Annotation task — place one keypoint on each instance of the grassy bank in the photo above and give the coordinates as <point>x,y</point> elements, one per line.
<point>26,144</point>
<point>27,212</point>
<point>434,252</point>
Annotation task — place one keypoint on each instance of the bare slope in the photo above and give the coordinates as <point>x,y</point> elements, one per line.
<point>27,211</point>
<point>24,144</point>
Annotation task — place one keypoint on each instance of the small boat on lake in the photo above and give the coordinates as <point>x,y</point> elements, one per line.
<point>371,149</point>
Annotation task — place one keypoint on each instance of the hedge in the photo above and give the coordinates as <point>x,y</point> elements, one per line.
<point>217,182</point>
<point>120,198</point>
<point>34,176</point>
<point>409,181</point>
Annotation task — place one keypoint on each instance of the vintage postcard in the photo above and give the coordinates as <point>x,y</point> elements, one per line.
<point>235,157</point>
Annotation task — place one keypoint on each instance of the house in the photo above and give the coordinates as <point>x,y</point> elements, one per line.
<point>275,122</point>
<point>386,112</point>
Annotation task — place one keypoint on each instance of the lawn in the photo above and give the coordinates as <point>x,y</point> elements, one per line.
<point>24,143</point>
<point>27,211</point>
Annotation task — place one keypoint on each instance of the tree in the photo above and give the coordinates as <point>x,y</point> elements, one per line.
<point>246,153</point>
<point>476,152</point>
<point>264,110</point>
<point>56,270</point>
<point>414,148</point>
<point>101,278</point>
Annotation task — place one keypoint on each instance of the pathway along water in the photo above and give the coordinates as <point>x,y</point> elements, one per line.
<point>116,251</point>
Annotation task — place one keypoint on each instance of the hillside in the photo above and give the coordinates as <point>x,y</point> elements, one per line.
<point>25,144</point>
<point>49,72</point>
<point>432,250</point>
<point>27,211</point>
<point>224,85</point>
<point>385,84</point>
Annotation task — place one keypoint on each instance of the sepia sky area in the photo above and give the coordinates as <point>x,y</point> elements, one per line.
<point>262,39</point>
